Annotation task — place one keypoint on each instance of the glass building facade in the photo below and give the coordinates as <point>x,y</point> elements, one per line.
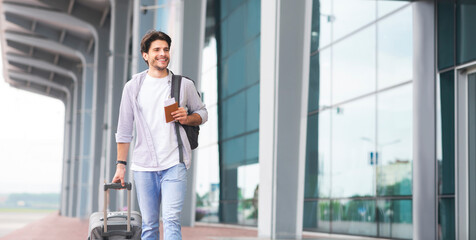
<point>371,120</point>
<point>359,134</point>
<point>229,171</point>
<point>455,63</point>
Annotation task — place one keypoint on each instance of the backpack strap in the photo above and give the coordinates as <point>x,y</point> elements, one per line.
<point>175,93</point>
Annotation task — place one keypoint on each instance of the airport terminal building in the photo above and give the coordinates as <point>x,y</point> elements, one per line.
<point>340,117</point>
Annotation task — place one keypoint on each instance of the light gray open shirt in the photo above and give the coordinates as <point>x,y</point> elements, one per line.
<point>129,112</point>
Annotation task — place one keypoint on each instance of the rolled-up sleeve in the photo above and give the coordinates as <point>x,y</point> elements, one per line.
<point>195,104</point>
<point>126,117</point>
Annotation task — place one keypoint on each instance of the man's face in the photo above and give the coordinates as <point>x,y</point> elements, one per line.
<point>158,56</point>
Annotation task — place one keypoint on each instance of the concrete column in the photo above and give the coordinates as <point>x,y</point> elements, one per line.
<point>66,151</point>
<point>194,37</point>
<point>424,122</point>
<point>117,76</point>
<point>74,155</point>
<point>101,51</point>
<point>284,78</point>
<point>83,178</point>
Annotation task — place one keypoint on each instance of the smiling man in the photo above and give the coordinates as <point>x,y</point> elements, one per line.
<point>160,173</point>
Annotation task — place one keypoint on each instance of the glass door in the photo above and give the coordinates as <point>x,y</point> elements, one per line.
<point>466,154</point>
<point>472,154</point>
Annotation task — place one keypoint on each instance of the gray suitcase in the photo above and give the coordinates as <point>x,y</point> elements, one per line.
<point>117,225</point>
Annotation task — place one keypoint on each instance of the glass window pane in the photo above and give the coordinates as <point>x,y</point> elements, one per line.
<point>232,115</point>
<point>236,71</point>
<point>354,67</point>
<point>252,108</point>
<point>223,8</point>
<point>252,148</point>
<point>345,20</point>
<point>247,213</point>
<point>395,141</point>
<point>253,19</point>
<point>317,216</point>
<point>354,217</point>
<point>446,29</point>
<point>209,131</point>
<point>465,30</point>
<point>318,161</point>
<point>311,169</point>
<point>207,184</point>
<point>472,152</point>
<point>385,7</point>
<point>321,24</point>
<point>320,81</point>
<point>395,219</point>
<point>248,179</point>
<point>236,29</point>
<point>353,149</point>
<point>229,212</point>
<point>445,134</point>
<point>252,62</point>
<point>223,38</point>
<point>446,219</point>
<point>233,152</point>
<point>395,48</point>
<point>223,79</point>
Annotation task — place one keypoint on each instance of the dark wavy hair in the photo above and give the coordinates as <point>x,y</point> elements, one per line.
<point>151,36</point>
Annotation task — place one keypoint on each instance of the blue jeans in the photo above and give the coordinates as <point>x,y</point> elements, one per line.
<point>167,186</point>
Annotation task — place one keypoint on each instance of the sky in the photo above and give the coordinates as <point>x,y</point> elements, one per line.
<point>31,141</point>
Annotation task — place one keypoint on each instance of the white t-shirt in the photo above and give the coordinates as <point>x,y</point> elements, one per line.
<point>152,95</point>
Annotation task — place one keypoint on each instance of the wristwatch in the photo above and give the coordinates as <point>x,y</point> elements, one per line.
<point>121,162</point>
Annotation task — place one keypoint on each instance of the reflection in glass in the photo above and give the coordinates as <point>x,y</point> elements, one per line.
<point>207,184</point>
<point>395,48</point>
<point>238,119</point>
<point>353,149</point>
<point>446,219</point>
<point>353,70</point>
<point>230,212</point>
<point>318,161</point>
<point>395,218</point>
<point>465,31</point>
<point>354,217</point>
<point>248,179</point>
<point>386,7</point>
<point>344,16</point>
<point>445,133</point>
<point>394,146</point>
<point>321,24</point>
<point>446,29</point>
<point>320,81</point>
<point>232,110</point>
<point>235,29</point>
<point>472,153</point>
<point>317,216</point>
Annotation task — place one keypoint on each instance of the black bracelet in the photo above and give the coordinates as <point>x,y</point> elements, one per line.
<point>121,162</point>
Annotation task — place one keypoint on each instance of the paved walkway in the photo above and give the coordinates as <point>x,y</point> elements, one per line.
<point>56,227</point>
<point>11,220</point>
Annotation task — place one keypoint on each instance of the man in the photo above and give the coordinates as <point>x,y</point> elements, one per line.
<point>159,175</point>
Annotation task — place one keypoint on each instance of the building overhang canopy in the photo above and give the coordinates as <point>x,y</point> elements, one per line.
<point>38,39</point>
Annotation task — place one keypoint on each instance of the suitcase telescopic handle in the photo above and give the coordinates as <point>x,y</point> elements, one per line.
<point>128,186</point>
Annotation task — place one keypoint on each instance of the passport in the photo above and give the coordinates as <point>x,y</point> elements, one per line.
<point>170,106</point>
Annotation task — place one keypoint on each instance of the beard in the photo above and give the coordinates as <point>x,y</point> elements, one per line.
<point>159,66</point>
